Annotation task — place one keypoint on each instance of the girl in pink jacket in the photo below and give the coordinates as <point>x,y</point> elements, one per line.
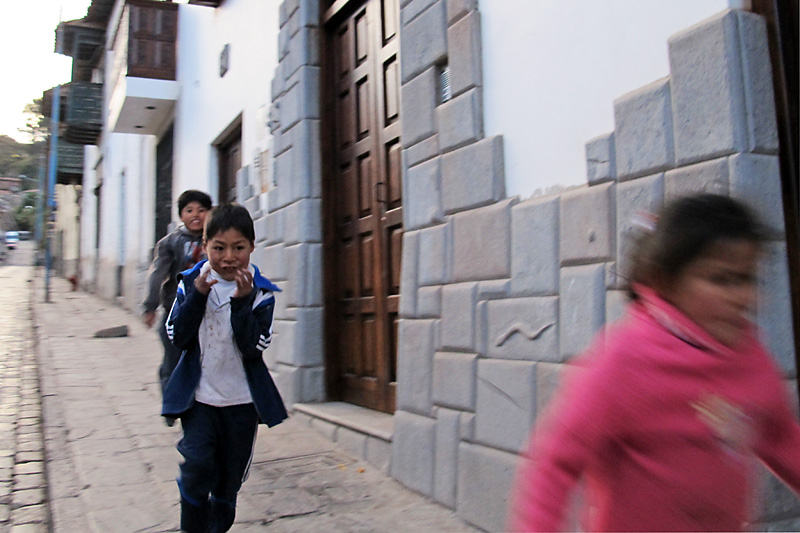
<point>663,415</point>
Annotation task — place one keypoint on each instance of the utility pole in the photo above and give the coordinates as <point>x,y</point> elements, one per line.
<point>51,174</point>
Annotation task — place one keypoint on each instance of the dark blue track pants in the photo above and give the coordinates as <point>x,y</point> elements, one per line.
<point>217,447</point>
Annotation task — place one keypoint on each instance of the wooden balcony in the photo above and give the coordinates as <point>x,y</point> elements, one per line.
<point>144,66</point>
<point>81,111</point>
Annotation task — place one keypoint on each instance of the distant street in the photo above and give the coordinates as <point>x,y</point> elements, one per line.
<point>23,255</point>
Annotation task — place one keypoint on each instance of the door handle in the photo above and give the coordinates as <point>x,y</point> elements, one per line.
<point>380,192</point>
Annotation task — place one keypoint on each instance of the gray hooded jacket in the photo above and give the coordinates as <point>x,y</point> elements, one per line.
<point>176,252</point>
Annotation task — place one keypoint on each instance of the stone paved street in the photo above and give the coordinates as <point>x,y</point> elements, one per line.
<point>111,461</point>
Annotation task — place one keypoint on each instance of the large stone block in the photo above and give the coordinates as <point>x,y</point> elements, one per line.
<point>415,347</point>
<point>275,225</point>
<point>419,102</point>
<point>485,477</point>
<point>303,49</point>
<point>312,382</point>
<point>297,171</point>
<point>587,220</point>
<point>506,403</point>
<point>459,8</point>
<point>460,120</point>
<point>548,380</point>
<point>429,300</point>
<point>708,176</point>
<point>635,198</point>
<point>534,247</point>
<point>756,179</point>
<point>412,10</point>
<point>281,310</point>
<point>583,307</point>
<point>523,329</point>
<point>454,380</point>
<point>304,266</point>
<point>301,340</point>
<point>458,317</point>
<point>301,100</point>
<point>422,151</point>
<point>304,221</point>
<point>464,53</point>
<point>423,197</point>
<point>447,438</point>
<point>481,243</point>
<point>774,312</point>
<point>260,226</point>
<point>643,137</point>
<point>408,275</point>
<point>424,43</point>
<point>274,264</point>
<point>708,97</point>
<point>601,164</point>
<point>414,451</point>
<point>433,255</point>
<point>287,380</point>
<point>473,175</point>
<point>762,128</point>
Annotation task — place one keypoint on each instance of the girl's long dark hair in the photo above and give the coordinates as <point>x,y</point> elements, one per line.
<point>686,228</point>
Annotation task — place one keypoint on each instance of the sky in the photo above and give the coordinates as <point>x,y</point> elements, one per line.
<point>28,60</point>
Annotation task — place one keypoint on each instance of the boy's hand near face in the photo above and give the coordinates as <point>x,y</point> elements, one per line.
<point>202,284</point>
<point>244,283</point>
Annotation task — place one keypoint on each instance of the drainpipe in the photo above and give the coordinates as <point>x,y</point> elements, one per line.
<point>51,186</point>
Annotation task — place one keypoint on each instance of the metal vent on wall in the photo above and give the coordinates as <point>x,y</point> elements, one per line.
<point>445,92</point>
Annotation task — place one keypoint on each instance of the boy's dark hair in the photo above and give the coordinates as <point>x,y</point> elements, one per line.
<point>229,216</point>
<point>193,195</point>
<point>685,230</point>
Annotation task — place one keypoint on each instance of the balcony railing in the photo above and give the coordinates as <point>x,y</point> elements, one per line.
<point>70,163</point>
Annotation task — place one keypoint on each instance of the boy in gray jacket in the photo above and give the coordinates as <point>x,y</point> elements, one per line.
<point>176,252</point>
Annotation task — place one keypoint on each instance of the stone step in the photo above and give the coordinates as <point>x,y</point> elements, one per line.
<point>365,433</point>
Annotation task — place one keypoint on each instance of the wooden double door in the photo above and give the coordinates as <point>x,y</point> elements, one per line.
<point>362,198</point>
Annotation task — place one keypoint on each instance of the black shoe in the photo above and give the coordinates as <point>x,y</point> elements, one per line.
<point>169,421</point>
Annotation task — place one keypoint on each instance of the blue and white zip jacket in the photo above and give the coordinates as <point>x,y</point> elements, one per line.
<point>251,321</point>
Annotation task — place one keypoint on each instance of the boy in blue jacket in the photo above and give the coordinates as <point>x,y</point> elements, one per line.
<point>221,388</point>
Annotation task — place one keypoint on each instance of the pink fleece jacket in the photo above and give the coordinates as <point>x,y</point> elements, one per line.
<point>662,421</point>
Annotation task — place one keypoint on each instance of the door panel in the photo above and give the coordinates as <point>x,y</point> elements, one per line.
<point>363,202</point>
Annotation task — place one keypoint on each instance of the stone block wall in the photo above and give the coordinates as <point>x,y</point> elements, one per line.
<point>498,294</point>
<point>289,235</point>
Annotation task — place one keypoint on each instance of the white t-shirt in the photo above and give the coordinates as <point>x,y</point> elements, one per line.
<point>222,382</point>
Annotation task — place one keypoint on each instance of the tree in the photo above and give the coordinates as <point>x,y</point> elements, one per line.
<point>25,213</point>
<point>36,124</point>
<point>18,159</point>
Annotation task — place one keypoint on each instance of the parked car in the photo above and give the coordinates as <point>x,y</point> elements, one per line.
<point>24,235</point>
<point>12,238</point>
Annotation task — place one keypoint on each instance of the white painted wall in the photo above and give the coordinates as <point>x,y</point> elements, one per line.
<point>127,226</point>
<point>553,68</point>
<point>208,103</point>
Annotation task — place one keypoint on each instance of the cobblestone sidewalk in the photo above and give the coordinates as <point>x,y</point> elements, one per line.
<point>22,469</point>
